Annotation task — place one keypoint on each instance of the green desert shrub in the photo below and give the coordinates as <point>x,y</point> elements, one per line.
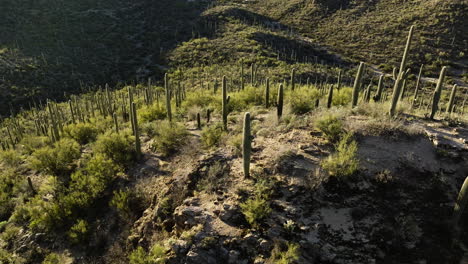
<point>157,255</point>
<point>302,99</point>
<point>255,210</point>
<point>30,143</point>
<point>10,158</point>
<point>288,255</point>
<point>202,100</point>
<point>211,135</point>
<point>79,232</point>
<point>243,99</point>
<point>57,160</point>
<point>150,113</point>
<point>169,137</point>
<point>331,127</point>
<point>121,202</point>
<point>344,161</point>
<point>342,97</point>
<point>119,147</point>
<point>83,133</point>
<point>57,258</point>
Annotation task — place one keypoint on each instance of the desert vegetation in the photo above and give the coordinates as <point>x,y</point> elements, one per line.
<point>252,146</point>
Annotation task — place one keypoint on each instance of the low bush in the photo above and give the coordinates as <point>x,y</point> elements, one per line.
<point>157,255</point>
<point>31,143</point>
<point>83,133</point>
<point>150,113</point>
<point>330,126</point>
<point>255,210</point>
<point>119,147</point>
<point>57,160</point>
<point>342,97</point>
<point>169,137</point>
<point>344,161</point>
<point>79,232</point>
<point>302,100</point>
<point>287,254</point>
<point>10,158</point>
<point>211,135</point>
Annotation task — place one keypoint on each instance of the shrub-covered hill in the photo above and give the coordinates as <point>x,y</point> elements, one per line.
<point>67,47</point>
<point>373,31</point>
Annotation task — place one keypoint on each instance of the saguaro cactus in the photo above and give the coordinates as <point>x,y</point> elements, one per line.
<point>116,122</point>
<point>416,89</point>
<point>451,100</point>
<point>279,107</point>
<point>437,92</point>
<point>378,94</point>
<point>198,121</point>
<point>330,96</point>
<point>246,145</point>
<point>338,85</point>
<point>267,93</point>
<point>224,103</point>
<point>136,131</point>
<point>168,97</point>
<point>293,79</point>
<point>242,74</point>
<point>401,75</point>
<point>357,84</point>
<point>460,204</point>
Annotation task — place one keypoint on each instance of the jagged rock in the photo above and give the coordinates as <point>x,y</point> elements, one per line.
<point>265,246</point>
<point>180,246</point>
<point>233,257</point>
<point>186,217</point>
<point>232,215</point>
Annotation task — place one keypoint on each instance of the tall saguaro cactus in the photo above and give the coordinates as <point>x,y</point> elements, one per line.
<point>267,93</point>
<point>416,89</point>
<point>224,103</point>
<point>246,145</point>
<point>242,75</point>
<point>136,132</point>
<point>451,100</point>
<point>401,75</point>
<point>168,97</point>
<point>279,107</point>
<point>378,94</point>
<point>293,79</point>
<point>460,204</point>
<point>357,84</point>
<point>437,93</point>
<point>330,96</point>
<point>338,86</point>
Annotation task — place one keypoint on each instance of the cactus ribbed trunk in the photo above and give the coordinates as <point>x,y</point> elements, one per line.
<point>416,89</point>
<point>330,96</point>
<point>378,94</point>
<point>116,122</point>
<point>437,93</point>
<point>338,85</point>
<point>246,145</point>
<point>293,79</point>
<point>136,131</point>
<point>401,75</point>
<point>279,107</point>
<point>168,97</point>
<point>267,93</point>
<point>357,84</point>
<point>460,204</point>
<point>224,103</point>
<point>451,100</point>
<point>198,121</point>
<point>368,93</point>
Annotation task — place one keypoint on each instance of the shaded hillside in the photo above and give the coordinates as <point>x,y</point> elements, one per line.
<point>374,31</point>
<point>51,48</point>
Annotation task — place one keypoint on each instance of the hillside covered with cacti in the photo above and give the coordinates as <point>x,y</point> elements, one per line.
<point>149,132</point>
